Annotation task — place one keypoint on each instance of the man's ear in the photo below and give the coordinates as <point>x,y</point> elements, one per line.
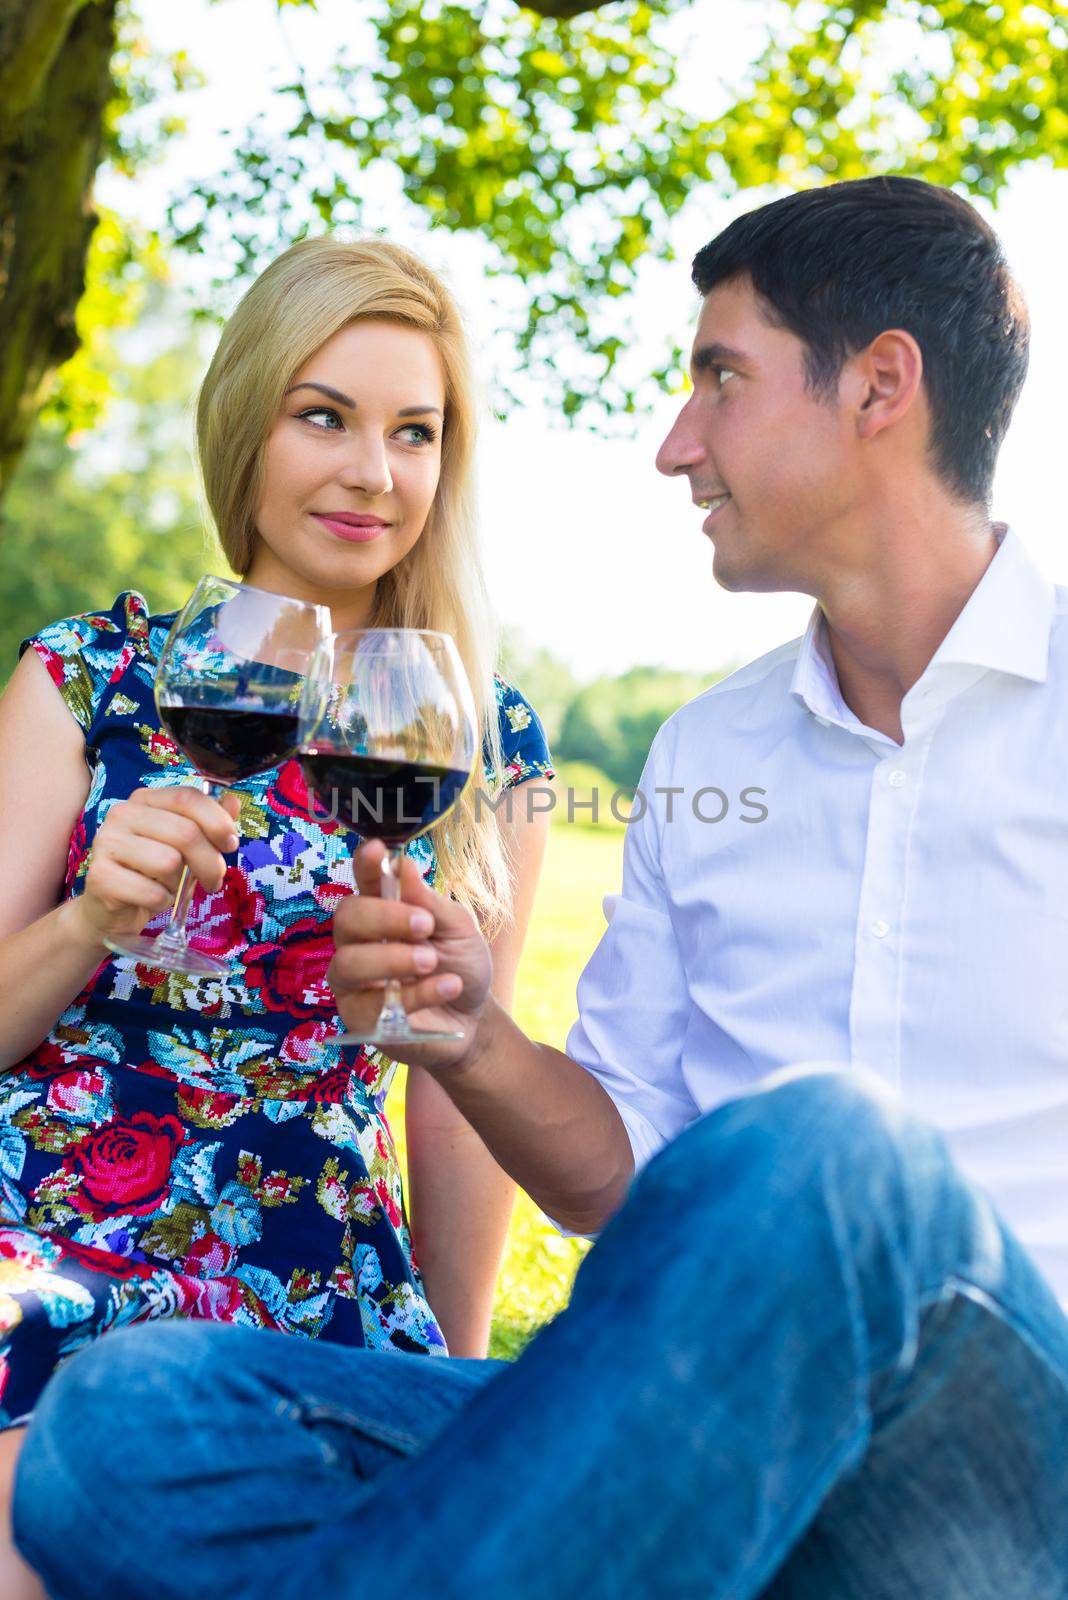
<point>886,379</point>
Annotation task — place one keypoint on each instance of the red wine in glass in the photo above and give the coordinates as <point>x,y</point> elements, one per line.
<point>229,686</point>
<point>388,740</point>
<point>227,744</point>
<point>389,800</point>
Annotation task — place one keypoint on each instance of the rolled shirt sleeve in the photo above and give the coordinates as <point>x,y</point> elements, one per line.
<point>633,997</point>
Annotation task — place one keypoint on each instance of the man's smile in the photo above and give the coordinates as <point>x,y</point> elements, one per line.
<point>713,504</point>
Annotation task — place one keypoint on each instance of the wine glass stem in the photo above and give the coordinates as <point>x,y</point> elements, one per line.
<point>174,936</point>
<point>393,1014</point>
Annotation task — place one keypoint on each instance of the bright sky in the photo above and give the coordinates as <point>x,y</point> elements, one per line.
<point>589,551</point>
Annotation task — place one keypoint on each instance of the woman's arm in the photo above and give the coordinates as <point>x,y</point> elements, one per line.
<point>44,781</point>
<point>460,1200</point>
<point>50,947</point>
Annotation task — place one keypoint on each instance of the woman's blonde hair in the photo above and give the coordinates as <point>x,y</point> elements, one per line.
<point>304,297</point>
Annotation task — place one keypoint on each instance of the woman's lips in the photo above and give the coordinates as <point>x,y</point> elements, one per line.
<point>354,532</point>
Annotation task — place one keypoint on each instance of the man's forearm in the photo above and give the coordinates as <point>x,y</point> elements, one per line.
<point>546,1120</point>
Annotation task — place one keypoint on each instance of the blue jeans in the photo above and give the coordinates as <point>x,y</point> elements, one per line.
<point>805,1362</point>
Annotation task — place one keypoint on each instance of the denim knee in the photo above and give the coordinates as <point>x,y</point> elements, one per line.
<point>834,1106</point>
<point>92,1426</point>
<point>127,1374</point>
<point>788,1133</point>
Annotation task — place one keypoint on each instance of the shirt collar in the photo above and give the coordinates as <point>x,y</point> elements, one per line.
<point>815,681</point>
<point>1003,627</point>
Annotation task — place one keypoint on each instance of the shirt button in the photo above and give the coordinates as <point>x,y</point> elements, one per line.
<point>897,778</point>
<point>880,928</point>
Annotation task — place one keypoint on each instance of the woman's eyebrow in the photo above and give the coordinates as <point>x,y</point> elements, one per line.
<point>324,388</point>
<point>347,400</point>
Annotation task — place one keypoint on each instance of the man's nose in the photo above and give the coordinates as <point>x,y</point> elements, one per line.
<point>683,449</point>
<point>367,468</point>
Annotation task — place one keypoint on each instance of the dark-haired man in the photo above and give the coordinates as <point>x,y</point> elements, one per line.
<point>807,1358</point>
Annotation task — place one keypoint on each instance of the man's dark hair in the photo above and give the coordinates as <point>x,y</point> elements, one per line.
<point>838,265</point>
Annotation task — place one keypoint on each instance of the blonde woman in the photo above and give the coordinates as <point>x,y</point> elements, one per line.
<point>200,1147</point>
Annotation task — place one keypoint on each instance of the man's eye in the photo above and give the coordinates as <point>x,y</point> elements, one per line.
<point>322,411</point>
<point>723,373</point>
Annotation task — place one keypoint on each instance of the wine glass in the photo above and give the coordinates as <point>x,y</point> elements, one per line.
<point>388,740</point>
<point>228,689</point>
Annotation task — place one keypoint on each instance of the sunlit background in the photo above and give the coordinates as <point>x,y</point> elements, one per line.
<point>590,554</point>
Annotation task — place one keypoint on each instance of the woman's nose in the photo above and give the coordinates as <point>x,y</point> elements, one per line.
<point>367,469</point>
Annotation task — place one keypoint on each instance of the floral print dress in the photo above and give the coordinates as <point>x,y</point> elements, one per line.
<point>199,1147</point>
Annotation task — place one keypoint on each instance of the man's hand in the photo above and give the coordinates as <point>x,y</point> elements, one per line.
<point>431,943</point>
<point>548,1123</point>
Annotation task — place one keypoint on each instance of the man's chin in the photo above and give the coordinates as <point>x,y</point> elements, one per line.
<point>739,576</point>
<point>730,573</point>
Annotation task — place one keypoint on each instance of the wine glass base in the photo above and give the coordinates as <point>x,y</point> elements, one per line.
<point>192,962</point>
<point>386,1041</point>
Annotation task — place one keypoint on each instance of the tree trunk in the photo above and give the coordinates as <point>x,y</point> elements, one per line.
<point>55,82</point>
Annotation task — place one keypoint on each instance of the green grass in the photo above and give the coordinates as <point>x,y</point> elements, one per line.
<point>582,866</point>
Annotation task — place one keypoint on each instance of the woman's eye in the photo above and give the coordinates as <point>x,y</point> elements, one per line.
<point>422,432</point>
<point>322,411</point>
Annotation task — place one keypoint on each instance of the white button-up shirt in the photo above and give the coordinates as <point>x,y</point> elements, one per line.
<point>834,896</point>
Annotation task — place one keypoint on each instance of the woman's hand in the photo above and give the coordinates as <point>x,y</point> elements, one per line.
<point>442,961</point>
<point>139,853</point>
